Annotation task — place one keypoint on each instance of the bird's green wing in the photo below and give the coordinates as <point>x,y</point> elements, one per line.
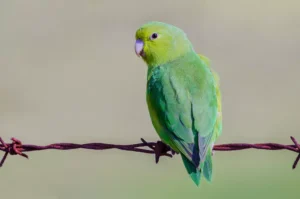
<point>218,125</point>
<point>186,107</point>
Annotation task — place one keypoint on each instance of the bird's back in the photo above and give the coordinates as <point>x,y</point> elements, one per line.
<point>174,86</point>
<point>183,102</point>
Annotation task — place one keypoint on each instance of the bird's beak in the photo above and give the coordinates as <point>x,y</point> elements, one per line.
<point>139,48</point>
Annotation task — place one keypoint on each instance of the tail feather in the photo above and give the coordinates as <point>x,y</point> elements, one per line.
<point>207,168</point>
<point>194,173</point>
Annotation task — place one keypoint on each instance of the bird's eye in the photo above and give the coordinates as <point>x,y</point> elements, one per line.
<point>153,36</point>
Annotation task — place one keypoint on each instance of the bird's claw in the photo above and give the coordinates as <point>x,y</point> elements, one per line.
<point>160,149</point>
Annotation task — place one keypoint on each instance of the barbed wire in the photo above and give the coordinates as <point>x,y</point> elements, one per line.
<point>158,148</point>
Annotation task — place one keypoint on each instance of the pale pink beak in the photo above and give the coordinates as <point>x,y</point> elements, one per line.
<point>139,45</point>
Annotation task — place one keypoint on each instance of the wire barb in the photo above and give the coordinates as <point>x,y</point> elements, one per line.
<point>158,148</point>
<point>298,147</point>
<point>15,148</point>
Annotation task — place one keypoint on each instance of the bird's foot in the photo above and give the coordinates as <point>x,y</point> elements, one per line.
<point>160,149</point>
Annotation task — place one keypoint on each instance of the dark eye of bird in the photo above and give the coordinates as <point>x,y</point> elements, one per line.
<point>154,36</point>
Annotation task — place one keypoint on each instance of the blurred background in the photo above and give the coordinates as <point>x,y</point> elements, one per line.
<point>68,73</point>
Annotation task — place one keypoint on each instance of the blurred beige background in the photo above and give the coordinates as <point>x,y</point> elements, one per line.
<point>68,73</point>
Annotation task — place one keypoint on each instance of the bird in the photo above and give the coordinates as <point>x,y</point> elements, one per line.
<point>183,95</point>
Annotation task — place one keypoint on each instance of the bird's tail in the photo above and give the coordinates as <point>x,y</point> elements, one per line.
<point>192,170</point>
<point>195,173</point>
<point>207,167</point>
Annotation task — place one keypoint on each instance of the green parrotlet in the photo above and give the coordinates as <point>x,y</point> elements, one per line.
<point>183,95</point>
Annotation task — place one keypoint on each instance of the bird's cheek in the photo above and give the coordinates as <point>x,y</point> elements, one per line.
<point>146,51</point>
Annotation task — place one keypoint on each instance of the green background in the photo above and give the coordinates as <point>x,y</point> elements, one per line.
<point>68,73</point>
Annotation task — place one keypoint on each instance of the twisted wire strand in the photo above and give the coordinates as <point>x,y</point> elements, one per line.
<point>17,148</point>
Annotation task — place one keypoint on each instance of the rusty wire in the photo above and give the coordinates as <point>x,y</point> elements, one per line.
<point>158,148</point>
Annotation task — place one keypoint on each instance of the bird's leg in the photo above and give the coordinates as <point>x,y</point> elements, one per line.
<point>161,149</point>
